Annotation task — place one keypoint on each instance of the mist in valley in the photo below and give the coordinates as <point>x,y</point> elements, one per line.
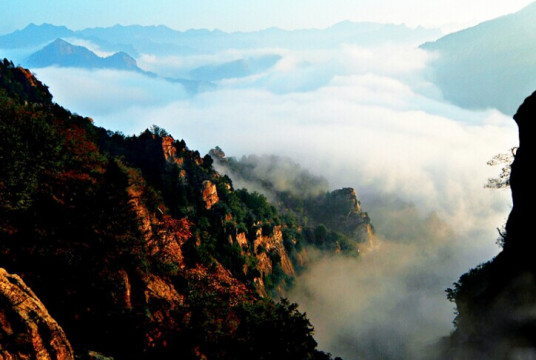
<point>365,117</point>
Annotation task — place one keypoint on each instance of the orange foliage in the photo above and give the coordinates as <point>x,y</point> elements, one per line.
<point>86,160</point>
<point>221,282</point>
<point>28,75</point>
<point>180,228</point>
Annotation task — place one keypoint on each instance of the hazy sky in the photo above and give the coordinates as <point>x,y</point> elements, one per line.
<point>232,15</point>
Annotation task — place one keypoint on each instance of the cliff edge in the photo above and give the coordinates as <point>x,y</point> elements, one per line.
<point>496,301</point>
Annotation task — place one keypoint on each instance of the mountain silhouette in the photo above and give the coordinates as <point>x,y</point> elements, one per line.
<point>61,53</point>
<point>491,65</point>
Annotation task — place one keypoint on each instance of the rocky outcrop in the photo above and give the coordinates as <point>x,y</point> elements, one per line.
<point>210,194</point>
<point>270,254</point>
<point>265,245</point>
<point>272,259</point>
<point>164,235</point>
<point>27,331</point>
<point>340,210</point>
<point>170,151</point>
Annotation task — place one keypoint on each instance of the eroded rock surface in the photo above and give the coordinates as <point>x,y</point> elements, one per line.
<point>27,331</point>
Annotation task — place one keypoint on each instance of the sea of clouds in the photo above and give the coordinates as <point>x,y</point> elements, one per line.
<point>368,118</point>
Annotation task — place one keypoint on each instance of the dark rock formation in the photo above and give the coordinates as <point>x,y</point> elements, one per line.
<point>27,331</point>
<point>496,301</point>
<point>520,222</point>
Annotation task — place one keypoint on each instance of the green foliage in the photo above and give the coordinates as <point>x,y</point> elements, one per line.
<point>30,150</point>
<point>302,203</point>
<point>158,131</point>
<point>274,257</point>
<point>467,289</point>
<point>273,331</point>
<point>258,204</point>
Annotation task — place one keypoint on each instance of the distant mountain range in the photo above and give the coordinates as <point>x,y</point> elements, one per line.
<point>162,40</point>
<point>490,65</point>
<point>34,35</point>
<point>49,45</point>
<point>64,54</point>
<point>61,53</point>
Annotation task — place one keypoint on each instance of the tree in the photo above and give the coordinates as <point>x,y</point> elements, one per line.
<point>504,159</point>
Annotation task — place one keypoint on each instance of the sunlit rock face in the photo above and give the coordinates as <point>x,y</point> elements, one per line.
<point>27,331</point>
<point>210,194</point>
<point>270,252</point>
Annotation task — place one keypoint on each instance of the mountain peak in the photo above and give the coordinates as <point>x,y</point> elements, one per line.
<point>62,44</point>
<point>62,53</point>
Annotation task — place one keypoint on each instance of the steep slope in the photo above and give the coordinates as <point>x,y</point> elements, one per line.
<point>495,301</point>
<point>136,245</point>
<point>491,65</point>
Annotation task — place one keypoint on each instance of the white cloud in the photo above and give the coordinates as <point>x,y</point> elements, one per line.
<point>360,118</point>
<point>104,93</point>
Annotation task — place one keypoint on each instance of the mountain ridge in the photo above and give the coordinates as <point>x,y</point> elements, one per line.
<point>137,247</point>
<point>147,38</point>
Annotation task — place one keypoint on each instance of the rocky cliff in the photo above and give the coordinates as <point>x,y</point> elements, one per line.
<point>496,301</point>
<point>27,331</point>
<point>331,221</point>
<point>136,245</point>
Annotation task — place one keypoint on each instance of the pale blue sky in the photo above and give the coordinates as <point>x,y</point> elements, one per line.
<point>232,15</point>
